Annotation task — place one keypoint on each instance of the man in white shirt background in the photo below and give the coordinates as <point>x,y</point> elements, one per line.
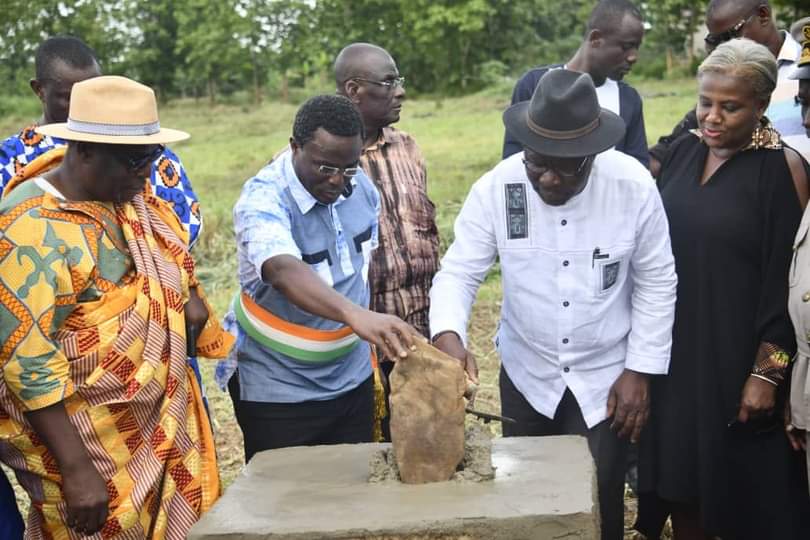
<point>588,279</point>
<point>752,19</point>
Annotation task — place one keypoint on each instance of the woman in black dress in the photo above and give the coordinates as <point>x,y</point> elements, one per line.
<point>715,455</point>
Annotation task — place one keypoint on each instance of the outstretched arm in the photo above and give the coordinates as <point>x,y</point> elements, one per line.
<point>464,267</point>
<point>304,288</point>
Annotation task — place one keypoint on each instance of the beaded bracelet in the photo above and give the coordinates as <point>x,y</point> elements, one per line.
<point>771,364</point>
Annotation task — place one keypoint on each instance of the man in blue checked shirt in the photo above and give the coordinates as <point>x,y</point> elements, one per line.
<point>306,225</point>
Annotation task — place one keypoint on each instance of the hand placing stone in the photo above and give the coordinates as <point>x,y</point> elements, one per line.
<point>427,415</point>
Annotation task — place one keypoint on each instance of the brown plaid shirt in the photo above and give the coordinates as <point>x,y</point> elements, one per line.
<point>403,265</point>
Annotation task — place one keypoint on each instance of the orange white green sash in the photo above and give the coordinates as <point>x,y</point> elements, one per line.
<point>293,340</point>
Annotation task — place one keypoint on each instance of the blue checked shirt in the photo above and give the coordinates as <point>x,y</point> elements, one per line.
<point>273,209</point>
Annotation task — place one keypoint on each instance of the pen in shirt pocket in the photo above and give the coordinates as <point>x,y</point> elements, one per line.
<point>597,254</point>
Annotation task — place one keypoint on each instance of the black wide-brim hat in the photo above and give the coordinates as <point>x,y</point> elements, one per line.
<point>563,118</point>
<point>801,33</point>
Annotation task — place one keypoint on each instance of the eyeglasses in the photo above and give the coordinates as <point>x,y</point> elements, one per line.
<point>389,84</point>
<point>542,168</point>
<point>713,40</point>
<point>348,172</point>
<point>136,162</point>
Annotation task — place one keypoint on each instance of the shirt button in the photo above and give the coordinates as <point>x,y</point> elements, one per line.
<point>566,369</point>
<point>565,263</point>
<point>565,340</point>
<point>564,222</point>
<point>806,297</point>
<point>566,303</point>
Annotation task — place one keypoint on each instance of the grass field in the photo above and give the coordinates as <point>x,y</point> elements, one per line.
<point>461,139</point>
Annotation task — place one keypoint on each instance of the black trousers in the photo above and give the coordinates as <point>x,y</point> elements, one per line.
<point>608,451</point>
<point>345,419</point>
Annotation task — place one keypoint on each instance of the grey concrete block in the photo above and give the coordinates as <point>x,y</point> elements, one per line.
<point>544,489</point>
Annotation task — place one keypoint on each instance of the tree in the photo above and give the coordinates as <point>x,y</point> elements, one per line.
<point>97,23</point>
<point>207,45</point>
<point>673,24</point>
<point>792,9</point>
<point>152,56</point>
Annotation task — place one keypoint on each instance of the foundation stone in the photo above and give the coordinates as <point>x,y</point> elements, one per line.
<point>427,415</point>
<point>544,488</point>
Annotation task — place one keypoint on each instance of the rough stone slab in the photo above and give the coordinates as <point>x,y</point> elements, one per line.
<point>427,414</point>
<point>544,489</point>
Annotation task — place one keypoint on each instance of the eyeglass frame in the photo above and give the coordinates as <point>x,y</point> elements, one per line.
<point>347,172</point>
<point>715,40</point>
<point>135,164</point>
<point>543,169</point>
<point>388,85</point>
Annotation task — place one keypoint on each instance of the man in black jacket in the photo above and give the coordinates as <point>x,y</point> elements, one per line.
<point>612,39</point>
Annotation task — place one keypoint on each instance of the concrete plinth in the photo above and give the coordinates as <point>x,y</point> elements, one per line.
<point>544,488</point>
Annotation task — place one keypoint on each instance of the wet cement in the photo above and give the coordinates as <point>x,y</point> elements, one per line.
<point>544,488</point>
<point>476,466</point>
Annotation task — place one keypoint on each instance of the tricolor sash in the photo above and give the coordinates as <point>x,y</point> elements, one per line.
<point>293,340</point>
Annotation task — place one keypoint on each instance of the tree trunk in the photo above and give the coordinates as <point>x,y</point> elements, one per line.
<point>211,91</point>
<point>465,51</point>
<point>285,87</point>
<point>690,41</point>
<point>257,88</point>
<point>670,61</point>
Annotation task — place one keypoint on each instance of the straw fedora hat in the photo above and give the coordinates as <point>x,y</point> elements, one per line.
<point>113,110</point>
<point>801,33</point>
<point>563,118</point>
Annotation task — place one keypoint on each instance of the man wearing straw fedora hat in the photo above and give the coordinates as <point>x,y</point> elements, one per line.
<point>588,278</point>
<point>101,417</point>
<point>60,62</point>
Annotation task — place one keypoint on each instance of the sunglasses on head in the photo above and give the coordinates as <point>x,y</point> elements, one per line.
<point>135,160</point>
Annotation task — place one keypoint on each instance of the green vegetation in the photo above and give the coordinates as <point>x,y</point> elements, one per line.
<point>271,48</point>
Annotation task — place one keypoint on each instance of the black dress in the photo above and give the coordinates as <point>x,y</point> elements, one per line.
<point>732,240</point>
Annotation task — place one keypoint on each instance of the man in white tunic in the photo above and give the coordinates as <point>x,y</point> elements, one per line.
<point>588,279</point>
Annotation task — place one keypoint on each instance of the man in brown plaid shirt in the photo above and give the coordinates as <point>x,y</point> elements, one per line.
<point>403,265</point>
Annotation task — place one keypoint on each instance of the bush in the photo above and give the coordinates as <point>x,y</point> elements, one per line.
<point>651,66</point>
<point>492,72</point>
<point>26,107</point>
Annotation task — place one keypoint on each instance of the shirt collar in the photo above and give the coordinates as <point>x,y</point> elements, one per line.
<point>790,51</point>
<point>388,135</point>
<point>302,197</point>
